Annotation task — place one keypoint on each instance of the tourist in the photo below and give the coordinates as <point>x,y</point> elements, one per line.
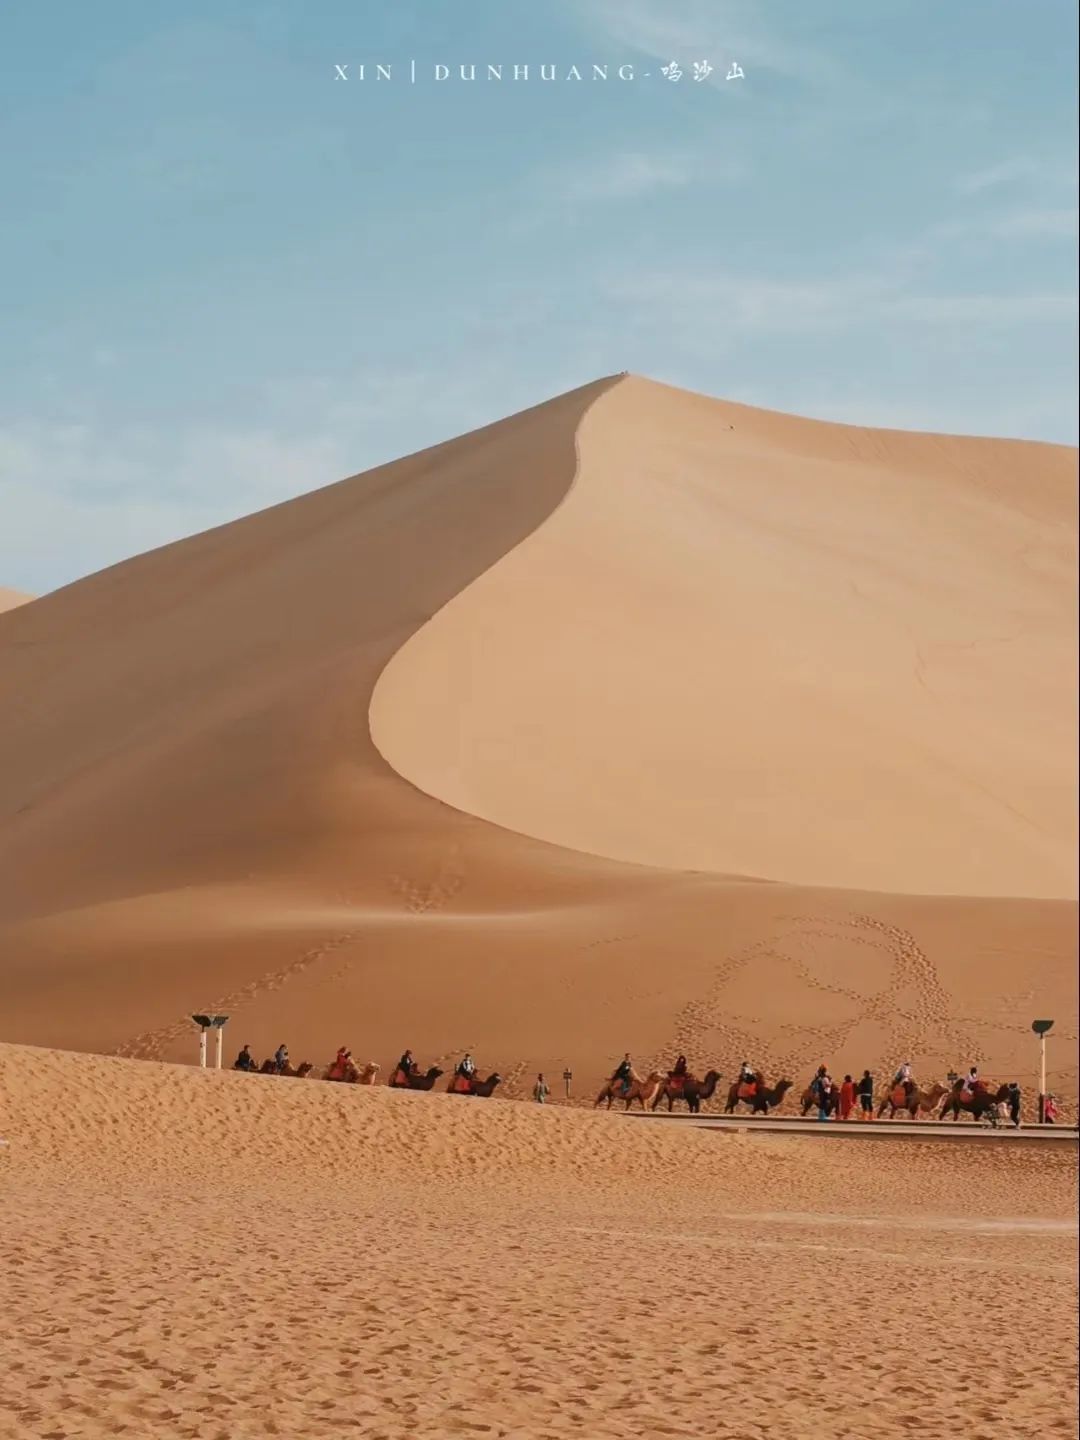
<point>1012,1099</point>
<point>245,1060</point>
<point>281,1058</point>
<point>540,1090</point>
<point>1049,1110</point>
<point>865,1090</point>
<point>404,1068</point>
<point>467,1068</point>
<point>825,1096</point>
<point>847,1097</point>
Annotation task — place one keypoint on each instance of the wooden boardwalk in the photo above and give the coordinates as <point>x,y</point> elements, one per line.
<point>945,1131</point>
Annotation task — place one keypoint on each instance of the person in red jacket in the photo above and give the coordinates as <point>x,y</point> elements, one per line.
<point>847,1097</point>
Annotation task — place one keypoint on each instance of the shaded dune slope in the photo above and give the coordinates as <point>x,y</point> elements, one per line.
<point>194,813</point>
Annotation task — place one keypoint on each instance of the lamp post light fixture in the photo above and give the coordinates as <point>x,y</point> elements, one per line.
<point>1041,1027</point>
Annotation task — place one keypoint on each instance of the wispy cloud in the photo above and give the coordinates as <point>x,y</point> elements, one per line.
<point>1025,171</point>
<point>715,30</point>
<point>628,176</point>
<point>759,304</point>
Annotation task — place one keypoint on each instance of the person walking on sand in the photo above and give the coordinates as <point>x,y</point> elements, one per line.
<point>865,1091</point>
<point>847,1097</point>
<point>1012,1099</point>
<point>1050,1111</point>
<point>540,1090</point>
<point>825,1091</point>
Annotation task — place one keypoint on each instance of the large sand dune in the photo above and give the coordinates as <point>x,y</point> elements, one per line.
<point>195,1255</point>
<point>740,734</point>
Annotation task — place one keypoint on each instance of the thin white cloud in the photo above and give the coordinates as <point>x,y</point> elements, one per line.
<point>762,305</point>
<point>714,30</point>
<point>1020,171</point>
<point>628,176</point>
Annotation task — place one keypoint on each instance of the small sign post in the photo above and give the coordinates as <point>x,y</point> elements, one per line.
<point>206,1023</point>
<point>1040,1028</point>
<point>567,1076</point>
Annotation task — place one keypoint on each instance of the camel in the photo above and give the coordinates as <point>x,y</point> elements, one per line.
<point>301,1072</point>
<point>692,1090</point>
<point>414,1080</point>
<point>473,1085</point>
<point>761,1101</point>
<point>353,1075</point>
<point>643,1091</point>
<point>809,1101</point>
<point>901,1097</point>
<point>980,1103</point>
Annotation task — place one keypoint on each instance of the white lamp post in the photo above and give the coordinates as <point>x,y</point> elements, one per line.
<point>1040,1028</point>
<point>205,1023</point>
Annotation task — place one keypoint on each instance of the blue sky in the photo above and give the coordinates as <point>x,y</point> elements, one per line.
<point>231,277</point>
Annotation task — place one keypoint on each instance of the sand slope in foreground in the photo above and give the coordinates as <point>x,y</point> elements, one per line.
<point>415,1267</point>
<point>194,813</point>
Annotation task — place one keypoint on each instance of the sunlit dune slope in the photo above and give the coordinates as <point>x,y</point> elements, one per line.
<point>9,599</point>
<point>754,644</point>
<point>193,812</point>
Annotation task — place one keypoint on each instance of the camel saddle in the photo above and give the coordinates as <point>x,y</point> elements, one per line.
<point>898,1096</point>
<point>676,1082</point>
<point>462,1085</point>
<point>747,1090</point>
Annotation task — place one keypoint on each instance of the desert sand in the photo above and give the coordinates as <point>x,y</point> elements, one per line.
<point>206,1255</point>
<point>636,721</point>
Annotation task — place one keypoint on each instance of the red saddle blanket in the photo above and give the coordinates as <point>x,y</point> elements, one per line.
<point>898,1096</point>
<point>676,1082</point>
<point>462,1084</point>
<point>747,1092</point>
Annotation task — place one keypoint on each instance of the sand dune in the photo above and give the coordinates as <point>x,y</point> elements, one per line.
<point>193,1254</point>
<point>752,644</point>
<point>740,734</point>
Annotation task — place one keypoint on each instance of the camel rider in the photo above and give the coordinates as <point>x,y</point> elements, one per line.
<point>467,1068</point>
<point>971,1080</point>
<point>245,1060</point>
<point>904,1077</point>
<point>405,1066</point>
<point>679,1072</point>
<point>624,1073</point>
<point>281,1059</point>
<point>342,1061</point>
<point>746,1074</point>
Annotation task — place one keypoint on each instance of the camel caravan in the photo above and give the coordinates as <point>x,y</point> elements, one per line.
<point>904,1097</point>
<point>828,1100</point>
<point>343,1069</point>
